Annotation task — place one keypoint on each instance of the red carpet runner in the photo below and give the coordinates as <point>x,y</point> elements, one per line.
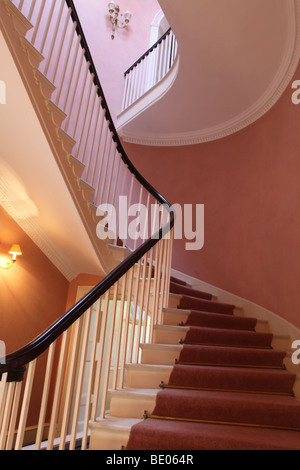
<point>228,389</point>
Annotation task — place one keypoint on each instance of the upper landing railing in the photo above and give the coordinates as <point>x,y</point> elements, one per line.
<point>150,68</point>
<point>58,383</point>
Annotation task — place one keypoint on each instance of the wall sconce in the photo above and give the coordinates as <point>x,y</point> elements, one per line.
<point>6,262</point>
<point>114,11</point>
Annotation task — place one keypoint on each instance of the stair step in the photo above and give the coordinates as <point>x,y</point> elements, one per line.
<point>34,56</point>
<point>87,190</point>
<point>171,334</point>
<point>47,88</point>
<point>212,355</point>
<point>232,379</point>
<point>176,302</point>
<point>229,407</point>
<point>77,166</point>
<point>195,303</point>
<point>179,281</point>
<point>147,375</point>
<point>67,142</point>
<point>21,23</point>
<point>177,435</point>
<point>119,253</point>
<point>151,376</point>
<point>111,433</point>
<point>58,116</point>
<point>176,288</point>
<point>176,316</point>
<point>131,403</point>
<point>290,366</point>
<point>164,354</point>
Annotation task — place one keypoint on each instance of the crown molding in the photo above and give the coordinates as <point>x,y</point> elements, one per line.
<point>269,98</point>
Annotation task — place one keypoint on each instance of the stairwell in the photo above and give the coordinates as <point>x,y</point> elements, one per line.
<point>209,377</point>
<point>69,143</point>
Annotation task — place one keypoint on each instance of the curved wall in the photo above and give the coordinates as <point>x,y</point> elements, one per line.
<point>249,183</point>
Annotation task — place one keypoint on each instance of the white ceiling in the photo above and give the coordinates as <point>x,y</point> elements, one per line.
<point>32,189</point>
<point>236,59</point>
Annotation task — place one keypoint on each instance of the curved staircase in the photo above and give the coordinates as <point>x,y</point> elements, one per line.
<point>212,379</point>
<point>131,365</point>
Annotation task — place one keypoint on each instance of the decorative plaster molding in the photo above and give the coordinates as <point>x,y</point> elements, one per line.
<point>276,89</point>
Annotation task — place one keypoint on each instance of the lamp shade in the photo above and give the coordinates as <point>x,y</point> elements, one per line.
<point>127,16</point>
<point>111,6</point>
<point>15,251</point>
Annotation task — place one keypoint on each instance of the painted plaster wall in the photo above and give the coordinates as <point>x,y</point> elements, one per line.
<point>27,302</point>
<point>113,57</point>
<point>249,184</point>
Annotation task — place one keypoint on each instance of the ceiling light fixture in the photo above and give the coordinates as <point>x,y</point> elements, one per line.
<point>118,19</point>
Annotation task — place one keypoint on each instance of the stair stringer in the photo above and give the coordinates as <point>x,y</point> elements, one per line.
<point>27,59</point>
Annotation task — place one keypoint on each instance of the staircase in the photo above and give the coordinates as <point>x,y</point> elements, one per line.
<point>143,361</point>
<point>212,379</point>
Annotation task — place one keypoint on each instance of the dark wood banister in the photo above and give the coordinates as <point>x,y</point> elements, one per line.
<point>116,139</point>
<point>15,362</point>
<point>162,38</point>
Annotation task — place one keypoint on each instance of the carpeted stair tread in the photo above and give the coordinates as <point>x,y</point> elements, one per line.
<point>216,336</point>
<point>176,288</point>
<point>220,355</point>
<point>178,281</point>
<point>229,407</point>
<point>156,434</point>
<point>193,303</point>
<point>219,320</point>
<point>232,379</point>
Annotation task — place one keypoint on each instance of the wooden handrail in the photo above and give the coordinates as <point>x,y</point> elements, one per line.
<point>15,361</point>
<point>100,93</point>
<point>148,51</point>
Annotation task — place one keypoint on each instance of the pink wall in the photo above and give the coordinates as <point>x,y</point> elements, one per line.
<point>80,280</point>
<point>249,183</point>
<point>27,301</point>
<point>113,57</point>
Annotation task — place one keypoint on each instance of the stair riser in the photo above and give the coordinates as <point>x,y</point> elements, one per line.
<point>143,378</point>
<point>174,300</point>
<point>152,356</point>
<point>170,318</point>
<point>166,336</point>
<point>104,439</point>
<point>131,407</point>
